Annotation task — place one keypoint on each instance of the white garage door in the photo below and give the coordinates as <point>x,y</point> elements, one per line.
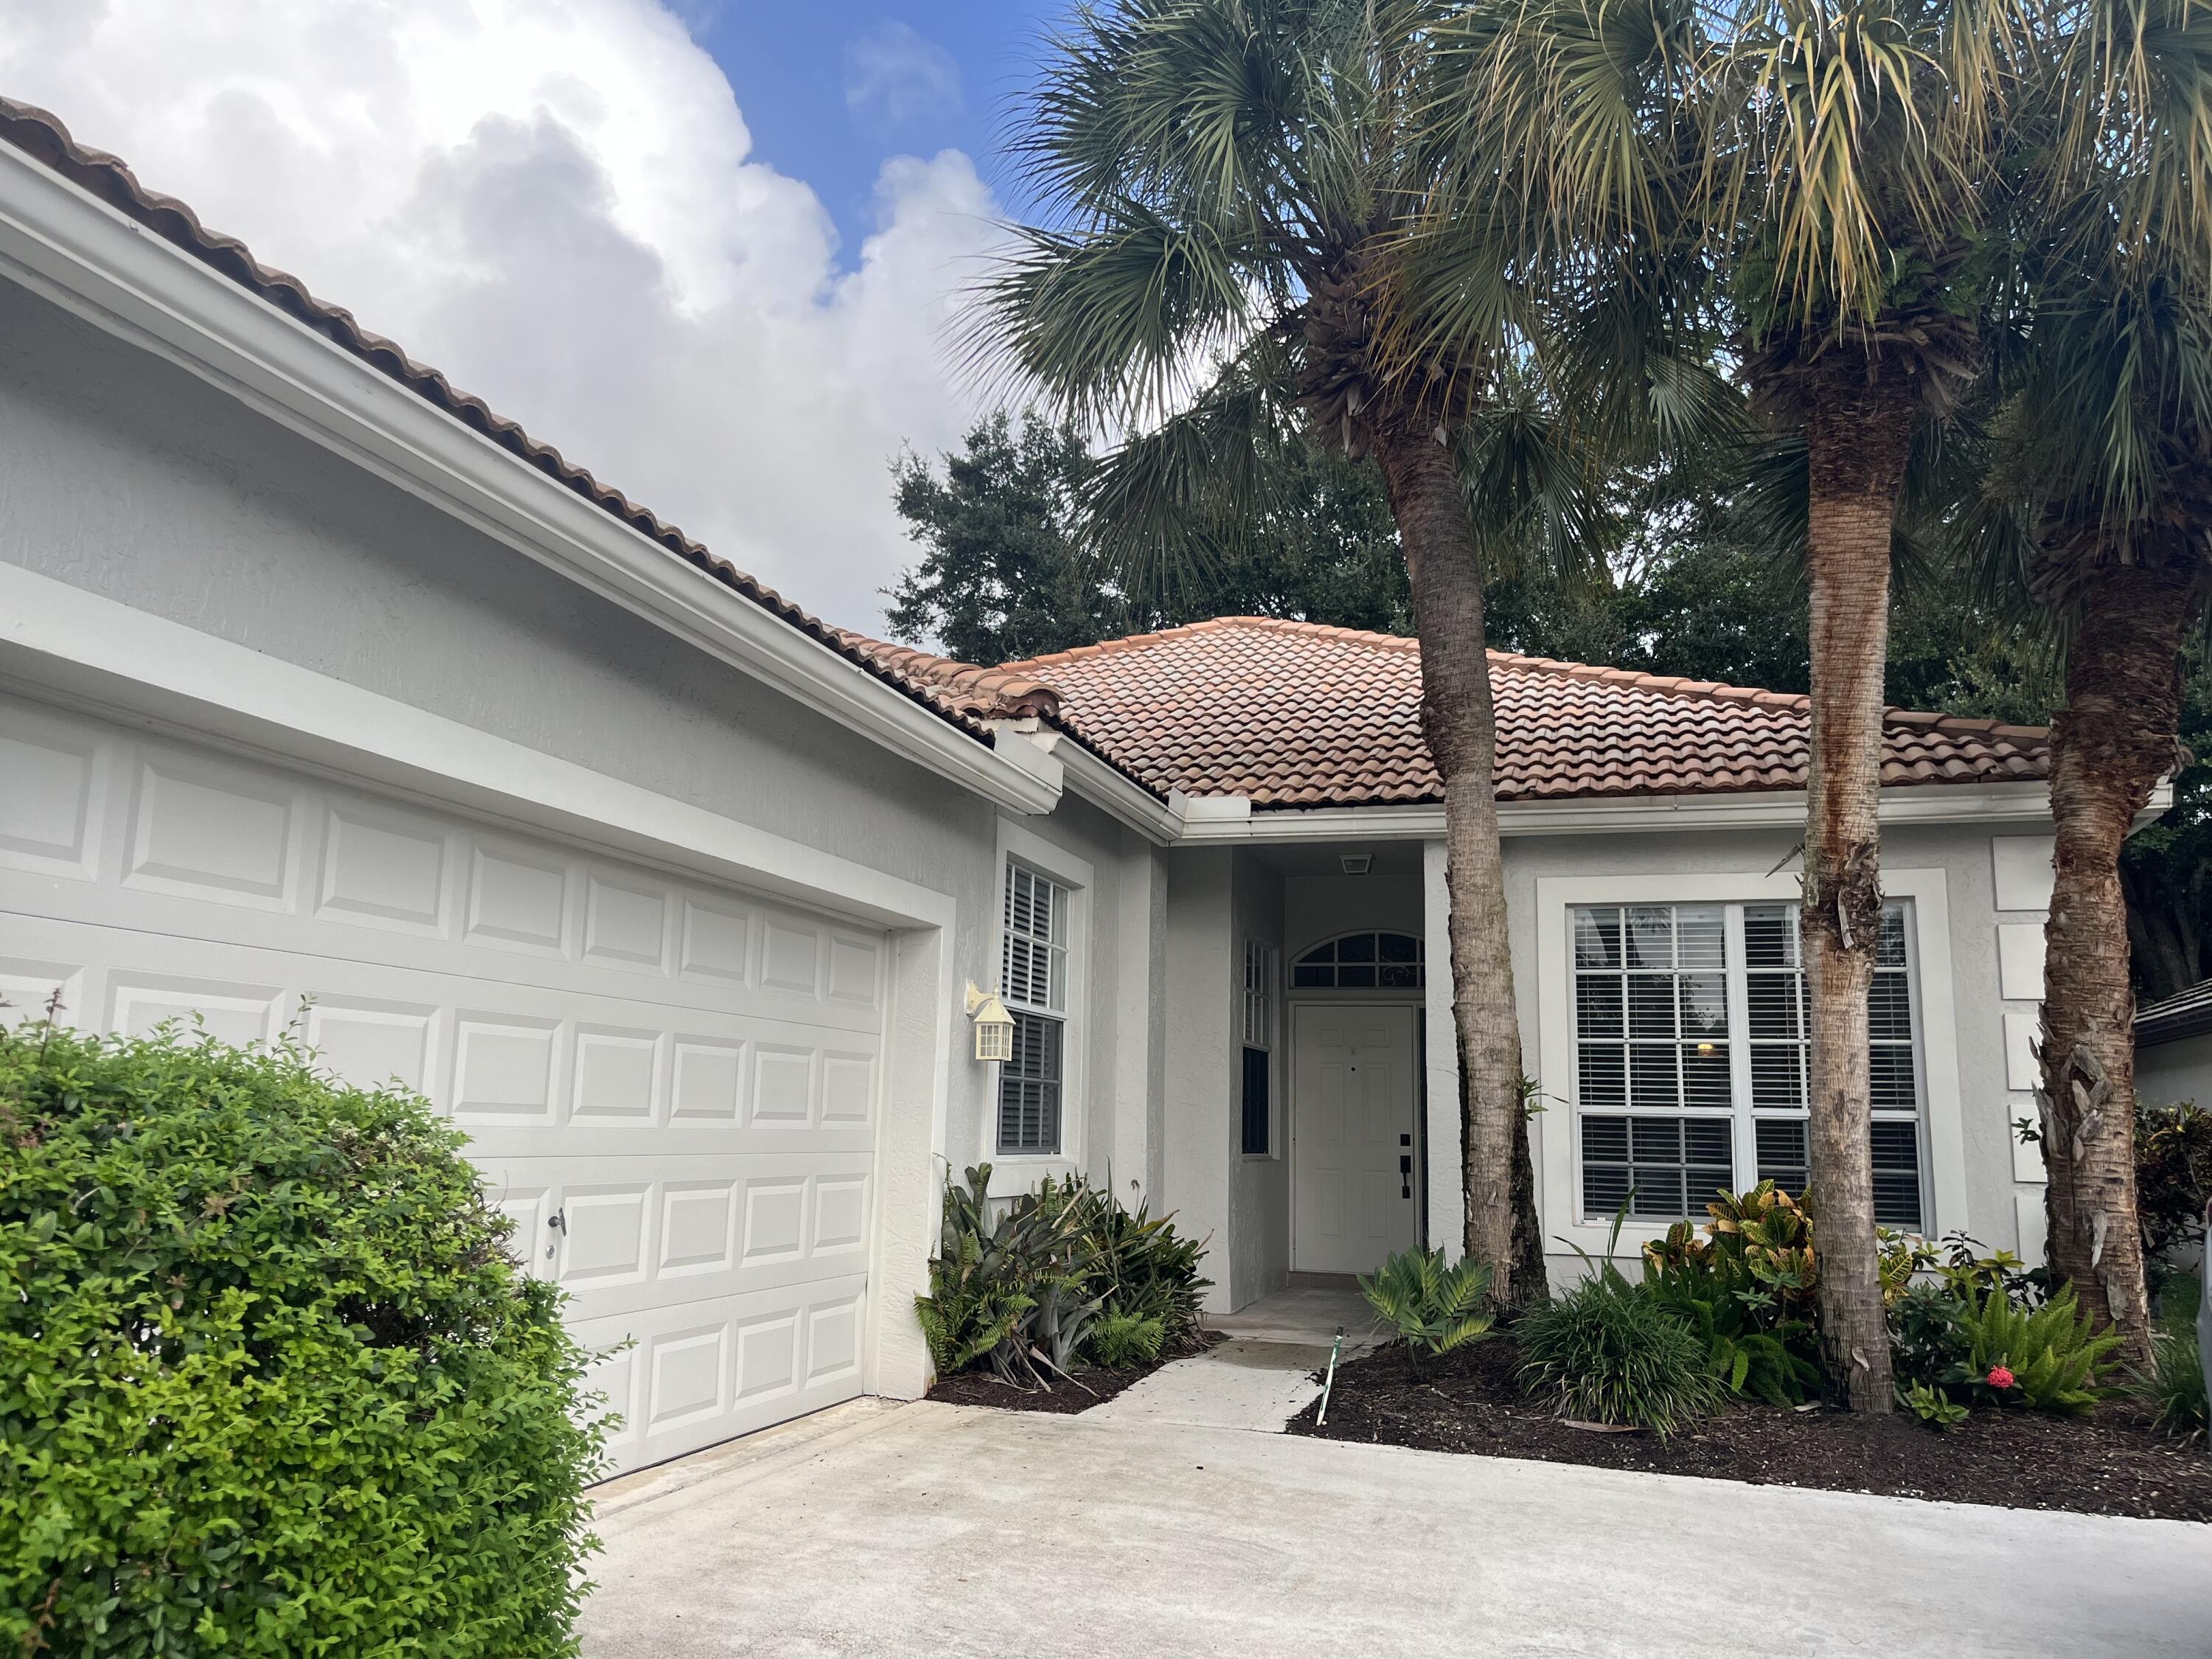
<point>670,1084</point>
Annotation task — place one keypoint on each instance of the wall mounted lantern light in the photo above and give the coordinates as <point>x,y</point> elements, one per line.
<point>994,1026</point>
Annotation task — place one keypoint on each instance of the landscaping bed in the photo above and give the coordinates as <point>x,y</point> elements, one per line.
<point>2113,1462</point>
<point>1099,1385</point>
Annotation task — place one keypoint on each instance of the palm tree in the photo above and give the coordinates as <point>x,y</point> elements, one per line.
<point>2115,499</point>
<point>1231,178</point>
<point>1828,167</point>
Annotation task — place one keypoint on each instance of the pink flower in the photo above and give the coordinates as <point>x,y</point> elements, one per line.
<point>1999,1377</point>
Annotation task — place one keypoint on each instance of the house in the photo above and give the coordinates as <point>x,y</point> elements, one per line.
<point>333,702</point>
<point>2173,1049</point>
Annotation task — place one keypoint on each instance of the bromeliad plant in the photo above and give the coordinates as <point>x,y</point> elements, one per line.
<point>1432,1308</point>
<point>1064,1271</point>
<point>1744,1285</point>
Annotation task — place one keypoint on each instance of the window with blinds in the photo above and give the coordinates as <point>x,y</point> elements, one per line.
<point>1258,1125</point>
<point>1774,984</point>
<point>1033,983</point>
<point>1691,1055</point>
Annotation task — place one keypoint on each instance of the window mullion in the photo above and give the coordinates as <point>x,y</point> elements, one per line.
<point>1745,1151</point>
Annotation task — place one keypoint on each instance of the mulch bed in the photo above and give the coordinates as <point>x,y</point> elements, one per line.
<point>2111,1463</point>
<point>984,1388</point>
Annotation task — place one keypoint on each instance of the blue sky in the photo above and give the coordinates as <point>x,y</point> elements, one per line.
<point>831,90</point>
<point>718,251</point>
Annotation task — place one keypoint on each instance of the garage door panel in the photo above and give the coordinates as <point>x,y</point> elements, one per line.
<point>627,1233</point>
<point>670,1087</point>
<point>704,1370</point>
<point>52,813</point>
<point>355,943</point>
<point>207,828</point>
<point>199,826</point>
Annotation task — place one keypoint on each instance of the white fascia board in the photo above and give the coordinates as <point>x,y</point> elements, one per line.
<point>1111,791</point>
<point>75,250</point>
<point>1951,803</point>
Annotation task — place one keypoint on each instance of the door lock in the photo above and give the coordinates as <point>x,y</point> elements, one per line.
<point>557,1222</point>
<point>1406,1174</point>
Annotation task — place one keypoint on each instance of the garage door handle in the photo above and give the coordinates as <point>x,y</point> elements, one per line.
<point>557,1222</point>
<point>1406,1174</point>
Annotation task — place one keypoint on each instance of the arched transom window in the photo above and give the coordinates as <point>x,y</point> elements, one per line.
<point>1361,962</point>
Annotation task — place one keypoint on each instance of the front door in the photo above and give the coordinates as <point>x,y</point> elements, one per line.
<point>1352,1148</point>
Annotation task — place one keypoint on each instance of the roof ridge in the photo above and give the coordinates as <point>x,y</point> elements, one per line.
<point>1211,625</point>
<point>45,138</point>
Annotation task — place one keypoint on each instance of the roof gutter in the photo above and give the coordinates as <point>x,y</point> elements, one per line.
<point>69,247</point>
<point>1215,819</point>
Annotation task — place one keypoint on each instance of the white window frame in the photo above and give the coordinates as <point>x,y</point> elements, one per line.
<point>1264,1032</point>
<point>1928,954</point>
<point>1014,1172</point>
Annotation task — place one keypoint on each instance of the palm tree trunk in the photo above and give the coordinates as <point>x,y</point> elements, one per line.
<point>2118,735</point>
<point>1857,429</point>
<point>1445,569</point>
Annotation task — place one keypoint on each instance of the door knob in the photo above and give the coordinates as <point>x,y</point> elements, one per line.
<point>1406,1174</point>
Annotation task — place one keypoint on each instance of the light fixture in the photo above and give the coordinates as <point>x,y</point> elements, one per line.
<point>994,1026</point>
<point>1356,864</point>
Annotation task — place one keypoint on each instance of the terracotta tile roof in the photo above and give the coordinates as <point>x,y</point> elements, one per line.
<point>1288,713</point>
<point>44,138</point>
<point>1296,715</point>
<point>985,693</point>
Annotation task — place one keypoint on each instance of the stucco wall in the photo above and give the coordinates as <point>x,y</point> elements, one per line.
<point>1201,994</point>
<point>1962,855</point>
<point>125,477</point>
<point>2169,1072</point>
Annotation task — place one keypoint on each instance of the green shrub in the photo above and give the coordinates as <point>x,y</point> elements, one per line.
<point>1026,1292</point>
<point>1927,1340</point>
<point>1148,1269</point>
<point>1931,1405</point>
<point>1743,1285</point>
<point>2174,1180</point>
<point>2173,1387</point>
<point>2054,1353</point>
<point>1120,1342</point>
<point>1433,1309</point>
<point>1610,1351</point>
<point>269,1382</point>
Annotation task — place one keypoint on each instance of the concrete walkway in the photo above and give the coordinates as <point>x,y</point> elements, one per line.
<point>881,1530</point>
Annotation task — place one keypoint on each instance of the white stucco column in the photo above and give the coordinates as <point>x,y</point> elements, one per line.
<point>1140,1004</point>
<point>1447,1193</point>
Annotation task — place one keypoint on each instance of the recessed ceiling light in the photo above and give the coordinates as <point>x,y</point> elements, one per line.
<point>1356,864</point>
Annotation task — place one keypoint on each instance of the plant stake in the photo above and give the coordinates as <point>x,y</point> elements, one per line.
<point>1335,1348</point>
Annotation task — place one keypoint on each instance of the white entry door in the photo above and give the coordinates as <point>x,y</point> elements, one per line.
<point>668,1082</point>
<point>1352,1150</point>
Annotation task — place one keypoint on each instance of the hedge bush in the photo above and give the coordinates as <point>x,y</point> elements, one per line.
<point>269,1381</point>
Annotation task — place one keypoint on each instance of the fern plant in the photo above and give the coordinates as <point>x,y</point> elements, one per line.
<point>2053,1356</point>
<point>1120,1340</point>
<point>1433,1309</point>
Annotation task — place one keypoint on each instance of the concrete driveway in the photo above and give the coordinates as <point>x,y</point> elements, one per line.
<point>879,1529</point>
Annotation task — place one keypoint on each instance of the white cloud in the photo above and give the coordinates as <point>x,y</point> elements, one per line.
<point>550,200</point>
<point>896,75</point>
